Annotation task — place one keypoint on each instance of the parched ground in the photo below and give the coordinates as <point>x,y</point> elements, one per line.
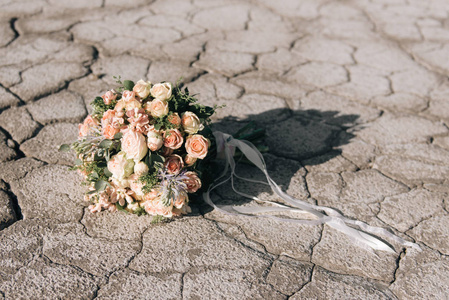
<point>355,99</point>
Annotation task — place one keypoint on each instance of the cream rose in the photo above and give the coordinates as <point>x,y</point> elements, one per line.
<point>108,97</point>
<point>155,141</point>
<point>161,91</point>
<point>141,169</point>
<point>174,164</point>
<point>197,145</point>
<point>120,166</point>
<point>128,96</point>
<point>158,108</point>
<point>193,182</point>
<point>142,88</point>
<point>191,123</point>
<point>135,146</point>
<point>173,139</point>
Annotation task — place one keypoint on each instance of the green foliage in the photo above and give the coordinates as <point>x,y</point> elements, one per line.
<point>159,219</point>
<point>99,107</point>
<point>140,211</point>
<point>149,181</point>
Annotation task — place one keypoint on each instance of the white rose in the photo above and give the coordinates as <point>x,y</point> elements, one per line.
<point>141,168</point>
<point>142,88</point>
<point>135,146</point>
<point>155,141</point>
<point>158,108</point>
<point>191,123</point>
<point>161,91</point>
<point>120,166</point>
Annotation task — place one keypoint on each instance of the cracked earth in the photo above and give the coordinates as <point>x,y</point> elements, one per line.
<point>354,98</point>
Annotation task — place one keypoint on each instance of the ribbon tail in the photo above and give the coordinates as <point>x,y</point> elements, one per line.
<point>322,214</point>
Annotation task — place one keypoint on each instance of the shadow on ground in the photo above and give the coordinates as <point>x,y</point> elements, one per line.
<point>294,139</point>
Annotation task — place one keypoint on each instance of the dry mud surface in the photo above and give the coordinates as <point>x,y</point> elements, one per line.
<point>355,99</point>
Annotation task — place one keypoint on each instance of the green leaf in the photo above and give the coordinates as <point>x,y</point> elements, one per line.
<point>107,172</point>
<point>118,136</point>
<point>122,208</point>
<point>64,148</point>
<point>78,162</point>
<point>106,144</point>
<point>94,175</point>
<point>128,85</point>
<point>91,192</point>
<point>158,126</point>
<point>101,185</point>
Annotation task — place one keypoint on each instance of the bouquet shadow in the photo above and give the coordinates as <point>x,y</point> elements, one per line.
<point>294,140</point>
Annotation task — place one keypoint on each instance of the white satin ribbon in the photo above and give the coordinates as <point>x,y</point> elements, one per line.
<point>226,145</point>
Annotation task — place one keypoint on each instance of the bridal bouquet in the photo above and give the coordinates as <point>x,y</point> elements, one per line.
<point>147,147</point>
<point>144,149</point>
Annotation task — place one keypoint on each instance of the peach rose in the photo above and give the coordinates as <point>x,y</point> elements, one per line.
<point>155,141</point>
<point>87,126</point>
<point>120,166</point>
<point>128,96</point>
<point>158,108</point>
<point>173,139</point>
<point>193,182</point>
<point>191,123</point>
<point>142,88</point>
<point>108,116</point>
<point>189,160</point>
<point>161,91</point>
<point>109,131</point>
<point>174,164</point>
<point>108,97</point>
<point>197,145</point>
<point>135,146</point>
<point>155,207</point>
<point>120,106</point>
<point>151,195</point>
<point>174,119</point>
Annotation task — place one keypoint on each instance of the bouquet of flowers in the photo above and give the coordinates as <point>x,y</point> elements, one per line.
<point>144,149</point>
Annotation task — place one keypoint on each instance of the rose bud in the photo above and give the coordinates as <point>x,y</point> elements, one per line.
<point>174,119</point>
<point>189,160</point>
<point>155,141</point>
<point>141,169</point>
